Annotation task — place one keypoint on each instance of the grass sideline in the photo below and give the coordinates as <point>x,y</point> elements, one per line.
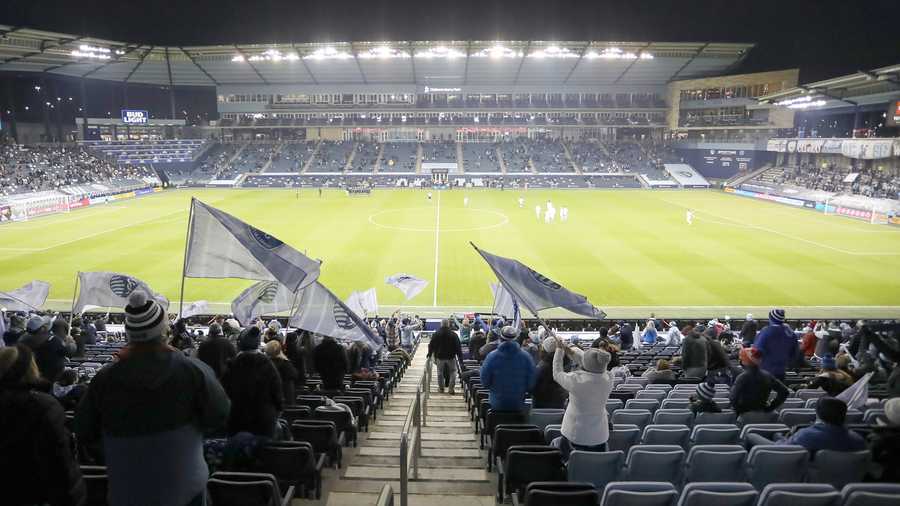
<point>628,250</point>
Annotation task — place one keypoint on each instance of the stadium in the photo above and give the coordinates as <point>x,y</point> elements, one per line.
<point>568,272</point>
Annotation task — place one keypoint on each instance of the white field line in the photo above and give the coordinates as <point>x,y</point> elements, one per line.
<point>437,239</point>
<point>733,222</point>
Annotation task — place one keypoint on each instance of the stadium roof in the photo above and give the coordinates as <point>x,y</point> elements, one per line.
<point>447,64</point>
<point>859,89</point>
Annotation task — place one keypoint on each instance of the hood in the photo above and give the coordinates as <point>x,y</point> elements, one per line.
<point>146,369</point>
<point>34,341</point>
<point>508,347</point>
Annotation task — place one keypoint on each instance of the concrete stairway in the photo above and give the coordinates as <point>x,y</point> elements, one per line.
<point>451,469</point>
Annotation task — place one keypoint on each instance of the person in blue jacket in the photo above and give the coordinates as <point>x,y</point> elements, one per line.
<point>508,372</point>
<point>778,345</point>
<point>828,433</point>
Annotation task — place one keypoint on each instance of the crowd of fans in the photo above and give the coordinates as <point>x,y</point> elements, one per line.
<point>870,181</point>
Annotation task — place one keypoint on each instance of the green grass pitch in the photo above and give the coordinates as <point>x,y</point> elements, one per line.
<point>628,251</point>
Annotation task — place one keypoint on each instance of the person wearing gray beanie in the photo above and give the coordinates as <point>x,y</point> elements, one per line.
<point>145,319</point>
<point>585,425</point>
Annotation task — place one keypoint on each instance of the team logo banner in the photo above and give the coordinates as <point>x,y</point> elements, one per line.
<point>322,312</point>
<point>363,303</point>
<point>27,298</point>
<point>407,283</point>
<point>110,289</point>
<point>265,297</point>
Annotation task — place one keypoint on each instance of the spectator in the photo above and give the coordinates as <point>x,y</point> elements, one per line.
<point>777,344</point>
<point>216,351</point>
<point>673,336</point>
<point>547,393</point>
<point>703,402</point>
<point>36,460</point>
<point>754,386</point>
<point>718,365</point>
<point>408,332</point>
<point>694,352</point>
<point>508,373</point>
<point>295,354</point>
<point>648,336</point>
<point>830,378</point>
<point>182,338</point>
<point>331,361</point>
<point>475,343</point>
<point>748,331</point>
<point>286,371</point>
<point>255,389</point>
<point>808,342</point>
<point>465,329</point>
<point>492,344</point>
<point>15,331</point>
<point>828,433</point>
<point>626,336</point>
<point>528,346</point>
<point>150,409</point>
<point>660,374</point>
<point>50,350</point>
<point>585,424</point>
<point>67,390</point>
<point>445,348</point>
<point>232,329</point>
<point>884,441</point>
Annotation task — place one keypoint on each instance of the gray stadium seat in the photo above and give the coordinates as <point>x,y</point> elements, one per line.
<point>792,403</point>
<point>658,395</point>
<point>654,463</point>
<point>838,468</point>
<point>757,417</point>
<point>871,415</point>
<point>799,494</point>
<point>674,416</point>
<point>665,434</point>
<point>623,437</point>
<point>641,493</point>
<point>639,417</point>
<point>597,468</point>
<point>675,404</point>
<point>716,434</point>
<point>544,417</point>
<point>718,494</point>
<point>776,464</point>
<point>552,432</point>
<point>769,430</point>
<point>711,463</point>
<point>727,416</point>
<point>808,393</point>
<point>870,494</point>
<point>650,405</point>
<point>614,404</point>
<point>791,417</point>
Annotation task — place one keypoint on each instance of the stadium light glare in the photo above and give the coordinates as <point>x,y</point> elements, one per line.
<point>497,52</point>
<point>94,52</point>
<point>440,52</point>
<point>382,52</point>
<point>328,53</point>
<point>237,58</point>
<point>807,105</point>
<point>553,52</point>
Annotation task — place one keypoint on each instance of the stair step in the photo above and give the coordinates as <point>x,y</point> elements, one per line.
<point>440,462</point>
<point>393,443</point>
<point>357,498</point>
<point>429,488</point>
<point>427,435</point>
<point>425,473</point>
<point>393,451</point>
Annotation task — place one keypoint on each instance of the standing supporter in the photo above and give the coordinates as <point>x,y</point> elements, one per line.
<point>703,402</point>
<point>694,352</point>
<point>475,343</point>
<point>331,362</point>
<point>585,424</point>
<point>528,346</point>
<point>295,353</point>
<point>255,388</point>
<point>508,373</point>
<point>828,433</point>
<point>748,331</point>
<point>649,334</point>
<point>36,460</point>
<point>15,331</point>
<point>718,365</point>
<point>216,351</point>
<point>50,350</point>
<point>465,329</point>
<point>754,386</point>
<point>884,441</point>
<point>830,378</point>
<point>808,342</point>
<point>286,371</point>
<point>547,393</point>
<point>777,344</point>
<point>626,336</point>
<point>408,332</point>
<point>673,336</point>
<point>445,348</point>
<point>150,410</point>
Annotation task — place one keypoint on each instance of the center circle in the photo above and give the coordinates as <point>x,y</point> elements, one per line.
<point>382,219</point>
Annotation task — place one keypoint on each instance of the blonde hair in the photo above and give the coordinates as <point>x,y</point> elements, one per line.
<point>662,364</point>
<point>9,357</point>
<point>273,349</point>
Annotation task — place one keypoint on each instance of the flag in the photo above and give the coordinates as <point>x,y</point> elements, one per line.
<point>222,246</point>
<point>409,285</point>
<point>322,312</point>
<point>363,303</point>
<point>857,394</point>
<point>503,302</point>
<point>110,289</point>
<point>536,291</point>
<point>195,308</point>
<point>265,297</point>
<point>27,298</point>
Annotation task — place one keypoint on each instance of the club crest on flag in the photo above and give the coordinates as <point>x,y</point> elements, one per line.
<point>122,285</point>
<point>267,292</point>
<point>265,240</point>
<point>544,280</point>
<point>342,318</point>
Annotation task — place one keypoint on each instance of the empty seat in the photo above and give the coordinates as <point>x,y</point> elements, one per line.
<point>838,468</point>
<point>654,463</point>
<point>658,395</point>
<point>679,435</point>
<point>623,437</point>
<point>796,416</point>
<point>768,430</point>
<point>792,403</point>
<point>650,405</point>
<point>636,380</point>
<point>294,464</point>
<point>658,386</point>
<point>674,416</point>
<point>597,468</point>
<point>725,416</point>
<point>247,489</point>
<point>544,417</point>
<point>511,435</point>
<point>681,394</point>
<point>776,464</point>
<point>716,434</point>
<point>871,415</point>
<point>757,417</point>
<point>718,494</point>
<point>675,404</point>
<point>552,432</point>
<point>799,494</point>
<point>715,463</point>
<point>870,494</point>
<point>527,464</point>
<point>807,393</point>
<point>639,417</point>
<point>639,493</point>
<point>614,404</point>
<point>561,493</point>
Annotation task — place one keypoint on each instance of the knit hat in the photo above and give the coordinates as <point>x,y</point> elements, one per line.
<point>36,322</point>
<point>145,319</point>
<point>549,345</point>
<point>776,316</point>
<point>828,362</point>
<point>706,391</point>
<point>831,410</point>
<point>750,356</point>
<point>509,332</point>
<point>231,325</point>
<point>249,339</point>
<point>891,412</point>
<point>595,360</point>
<point>274,325</point>
<point>749,317</point>
<point>215,330</point>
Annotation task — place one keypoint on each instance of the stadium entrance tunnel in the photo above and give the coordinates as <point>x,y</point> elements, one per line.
<point>446,219</point>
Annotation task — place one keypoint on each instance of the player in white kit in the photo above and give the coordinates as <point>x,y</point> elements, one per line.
<point>689,216</point>
<point>466,201</point>
<point>521,202</point>
<point>537,212</point>
<point>563,214</point>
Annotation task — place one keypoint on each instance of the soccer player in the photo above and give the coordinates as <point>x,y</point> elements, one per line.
<point>429,195</point>
<point>537,212</point>
<point>466,201</point>
<point>689,216</point>
<point>563,214</point>
<point>521,202</point>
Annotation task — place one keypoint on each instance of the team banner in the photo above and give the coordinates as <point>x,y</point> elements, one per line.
<point>110,289</point>
<point>222,246</point>
<point>503,301</point>
<point>195,308</point>
<point>867,149</point>
<point>265,297</point>
<point>27,298</point>
<point>363,303</point>
<point>832,146</point>
<point>810,145</point>
<point>536,291</point>
<point>407,283</point>
<point>322,312</point>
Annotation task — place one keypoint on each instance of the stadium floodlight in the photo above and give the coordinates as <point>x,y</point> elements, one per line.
<point>383,52</point>
<point>615,53</point>
<point>807,105</point>
<point>440,52</point>
<point>272,55</point>
<point>553,52</point>
<point>328,53</point>
<point>237,58</point>
<point>498,51</point>
<point>94,52</point>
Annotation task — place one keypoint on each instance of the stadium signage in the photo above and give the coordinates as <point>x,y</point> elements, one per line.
<point>135,117</point>
<point>429,89</point>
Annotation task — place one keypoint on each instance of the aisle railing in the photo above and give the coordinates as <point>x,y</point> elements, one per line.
<point>411,436</point>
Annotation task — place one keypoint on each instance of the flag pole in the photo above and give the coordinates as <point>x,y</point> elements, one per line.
<point>74,294</point>
<point>187,250</point>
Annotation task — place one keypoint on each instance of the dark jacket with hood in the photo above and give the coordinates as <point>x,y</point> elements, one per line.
<point>256,393</point>
<point>216,352</point>
<point>779,348</point>
<point>331,361</point>
<point>752,389</point>
<point>445,345</point>
<point>547,393</point>
<point>150,410</point>
<point>509,374</point>
<point>50,353</point>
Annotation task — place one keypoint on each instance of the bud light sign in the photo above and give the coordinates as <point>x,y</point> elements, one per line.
<point>134,117</point>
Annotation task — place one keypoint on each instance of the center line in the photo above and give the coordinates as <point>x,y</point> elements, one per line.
<point>437,238</point>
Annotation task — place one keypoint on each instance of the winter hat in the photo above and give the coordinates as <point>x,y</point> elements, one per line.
<point>700,329</point>
<point>36,322</point>
<point>706,391</point>
<point>832,411</point>
<point>215,330</point>
<point>595,360</point>
<point>750,356</point>
<point>776,316</point>
<point>891,412</point>
<point>231,325</point>
<point>249,339</point>
<point>145,319</point>
<point>749,317</point>
<point>509,332</point>
<point>275,325</point>
<point>549,345</point>
<point>828,362</point>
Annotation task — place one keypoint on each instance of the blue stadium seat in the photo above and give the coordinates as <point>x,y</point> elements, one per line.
<point>711,463</point>
<point>718,494</point>
<point>621,493</point>
<point>799,494</point>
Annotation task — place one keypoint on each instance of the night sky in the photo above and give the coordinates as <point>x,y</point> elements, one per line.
<point>824,38</point>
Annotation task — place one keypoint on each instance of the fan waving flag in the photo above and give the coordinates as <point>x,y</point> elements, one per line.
<point>109,289</point>
<point>265,297</point>
<point>504,304</point>
<point>222,246</point>
<point>27,298</point>
<point>322,312</point>
<point>536,291</point>
<point>408,284</point>
<point>363,303</point>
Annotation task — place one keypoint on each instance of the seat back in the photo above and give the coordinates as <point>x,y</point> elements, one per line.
<point>505,436</point>
<point>839,468</point>
<point>799,494</point>
<point>870,494</point>
<point>544,417</point>
<point>238,489</point>
<point>679,435</point>
<point>291,462</point>
<point>560,494</point>
<point>719,494</point>
<point>757,417</point>
<point>639,417</point>
<point>323,437</point>
<point>673,416</point>
<point>796,416</point>
<point>597,468</point>
<point>675,404</point>
<point>527,464</point>
<point>645,394</point>
<point>650,405</point>
<point>623,437</point>
<point>295,413</point>
<point>654,463</point>
<point>615,404</point>
<point>807,393</point>
<point>493,418</point>
<point>311,401</point>
<point>711,463</point>
<point>769,430</point>
<point>776,464</point>
<point>96,482</point>
<point>631,493</point>
<point>725,416</point>
<point>720,434</point>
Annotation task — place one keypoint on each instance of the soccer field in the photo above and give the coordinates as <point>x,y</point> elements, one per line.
<point>628,251</point>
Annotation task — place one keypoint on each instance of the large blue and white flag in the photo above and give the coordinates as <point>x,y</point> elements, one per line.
<point>858,393</point>
<point>195,308</point>
<point>363,303</point>
<point>110,289</point>
<point>320,311</point>
<point>407,283</point>
<point>504,304</point>
<point>265,297</point>
<point>536,291</point>
<point>29,297</point>
<point>222,246</point>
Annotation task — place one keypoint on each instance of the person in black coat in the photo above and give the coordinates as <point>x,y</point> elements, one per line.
<point>15,331</point>
<point>754,386</point>
<point>547,393</point>
<point>36,460</point>
<point>330,359</point>
<point>216,351</point>
<point>285,370</point>
<point>50,350</point>
<point>748,331</point>
<point>294,352</point>
<point>254,386</point>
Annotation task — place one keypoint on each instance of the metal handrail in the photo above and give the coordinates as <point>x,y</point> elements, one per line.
<point>412,434</point>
